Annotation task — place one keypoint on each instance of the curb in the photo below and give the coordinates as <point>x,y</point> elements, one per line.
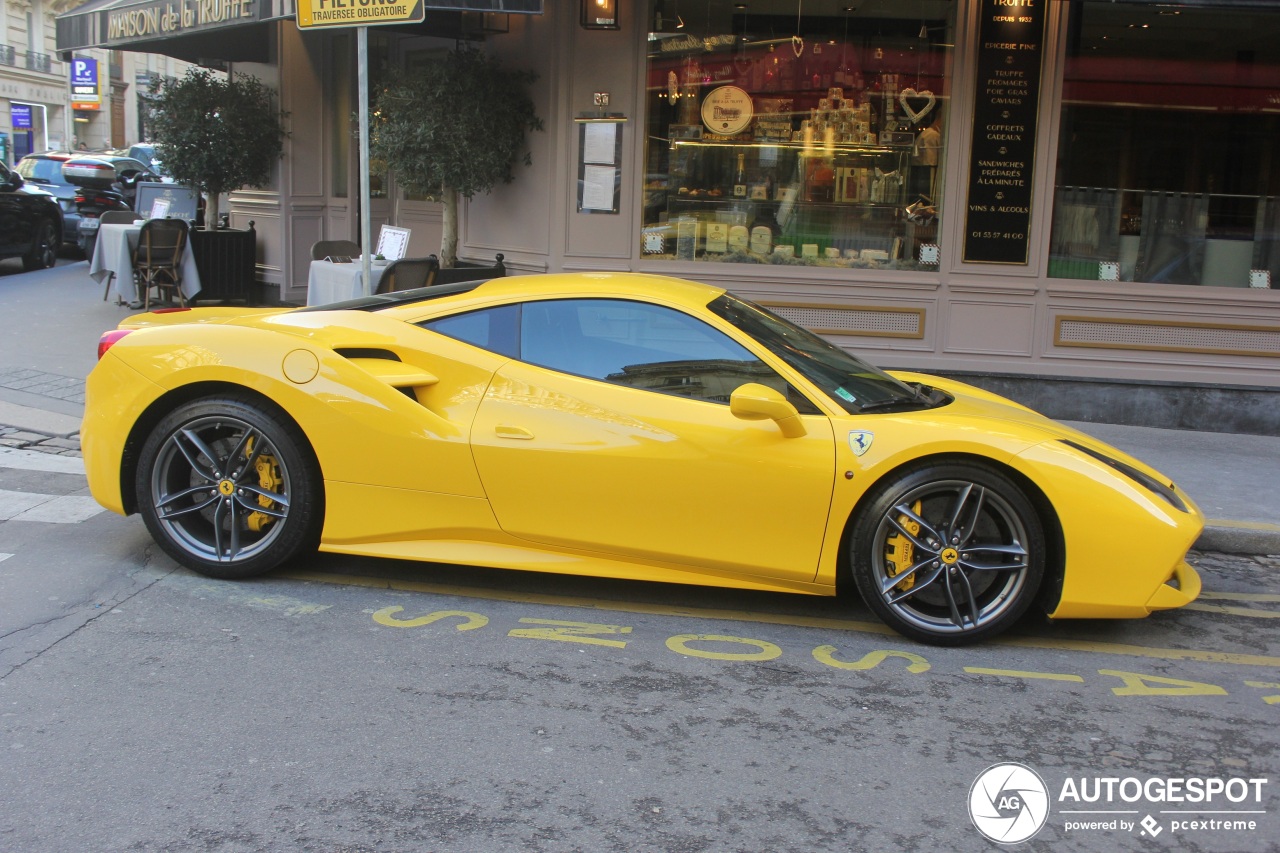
<point>1251,538</point>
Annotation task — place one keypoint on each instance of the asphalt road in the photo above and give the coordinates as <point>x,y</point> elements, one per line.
<point>358,705</point>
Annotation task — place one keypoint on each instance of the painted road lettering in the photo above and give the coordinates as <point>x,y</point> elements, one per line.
<point>724,647</point>
<point>1018,673</point>
<point>1137,684</point>
<point>471,621</point>
<point>826,655</point>
<point>1266,685</point>
<point>571,632</point>
<point>680,645</point>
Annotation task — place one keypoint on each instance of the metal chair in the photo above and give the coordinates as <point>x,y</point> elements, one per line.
<point>158,259</point>
<point>322,249</point>
<point>115,217</point>
<point>409,273</point>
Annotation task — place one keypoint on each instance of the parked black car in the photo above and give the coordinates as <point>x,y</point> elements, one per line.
<point>30,222</point>
<point>45,170</point>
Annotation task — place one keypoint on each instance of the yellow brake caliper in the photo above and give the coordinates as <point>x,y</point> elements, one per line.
<point>270,480</point>
<point>899,551</point>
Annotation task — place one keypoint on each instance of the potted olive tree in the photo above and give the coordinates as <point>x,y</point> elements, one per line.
<point>453,127</point>
<point>217,134</point>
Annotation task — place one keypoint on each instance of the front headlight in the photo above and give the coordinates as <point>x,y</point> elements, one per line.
<point>1150,483</point>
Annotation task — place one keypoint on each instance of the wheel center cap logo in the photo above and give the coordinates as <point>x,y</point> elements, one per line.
<point>950,556</point>
<point>226,487</point>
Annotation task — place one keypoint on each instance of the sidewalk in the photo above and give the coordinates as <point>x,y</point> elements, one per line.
<point>52,319</point>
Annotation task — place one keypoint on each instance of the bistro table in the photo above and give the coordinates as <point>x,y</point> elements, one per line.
<point>113,256</point>
<point>328,282</point>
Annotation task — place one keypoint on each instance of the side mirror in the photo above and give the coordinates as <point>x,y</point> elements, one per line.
<point>13,182</point>
<point>755,402</point>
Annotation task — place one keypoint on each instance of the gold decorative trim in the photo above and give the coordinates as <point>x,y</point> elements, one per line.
<point>889,310</point>
<point>1174,326</point>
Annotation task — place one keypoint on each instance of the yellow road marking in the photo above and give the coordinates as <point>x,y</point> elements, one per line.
<point>763,650</point>
<point>1260,597</point>
<point>1270,700</point>
<point>775,619</point>
<point>1242,525</point>
<point>571,632</point>
<point>826,655</point>
<point>1016,673</point>
<point>387,616</point>
<point>1139,684</point>
<point>1234,611</point>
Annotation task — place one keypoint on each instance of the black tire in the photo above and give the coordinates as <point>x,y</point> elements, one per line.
<point>44,248</point>
<point>229,487</point>
<point>948,554</point>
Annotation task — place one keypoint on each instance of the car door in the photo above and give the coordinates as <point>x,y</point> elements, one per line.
<point>16,209</point>
<point>612,433</point>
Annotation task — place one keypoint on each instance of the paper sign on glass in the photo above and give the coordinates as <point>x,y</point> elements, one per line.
<point>159,208</point>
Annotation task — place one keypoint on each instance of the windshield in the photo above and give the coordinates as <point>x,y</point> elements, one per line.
<point>40,170</point>
<point>847,379</point>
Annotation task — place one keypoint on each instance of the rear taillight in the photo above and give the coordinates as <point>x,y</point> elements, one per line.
<point>108,338</point>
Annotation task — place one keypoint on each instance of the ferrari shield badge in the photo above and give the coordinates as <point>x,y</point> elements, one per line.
<point>860,441</point>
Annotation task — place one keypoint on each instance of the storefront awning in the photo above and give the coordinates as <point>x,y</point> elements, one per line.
<point>195,30</point>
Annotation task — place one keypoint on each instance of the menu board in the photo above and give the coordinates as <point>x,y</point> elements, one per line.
<point>1002,153</point>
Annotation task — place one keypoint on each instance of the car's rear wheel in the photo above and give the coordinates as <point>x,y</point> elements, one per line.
<point>949,554</point>
<point>229,487</point>
<point>44,248</point>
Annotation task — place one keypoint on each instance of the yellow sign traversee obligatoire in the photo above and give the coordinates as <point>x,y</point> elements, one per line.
<point>358,13</point>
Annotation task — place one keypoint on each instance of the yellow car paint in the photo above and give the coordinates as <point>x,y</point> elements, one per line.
<point>451,453</point>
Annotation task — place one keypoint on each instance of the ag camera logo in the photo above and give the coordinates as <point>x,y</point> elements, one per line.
<point>1009,803</point>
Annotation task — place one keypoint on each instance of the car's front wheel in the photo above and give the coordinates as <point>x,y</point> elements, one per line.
<point>44,248</point>
<point>229,487</point>
<point>948,554</point>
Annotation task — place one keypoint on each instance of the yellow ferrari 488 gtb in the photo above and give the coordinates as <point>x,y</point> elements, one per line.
<point>626,426</point>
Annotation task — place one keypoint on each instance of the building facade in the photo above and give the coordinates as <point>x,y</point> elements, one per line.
<point>1083,191</point>
<point>44,106</point>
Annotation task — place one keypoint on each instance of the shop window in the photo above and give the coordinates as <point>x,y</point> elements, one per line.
<point>797,137</point>
<point>1169,156</point>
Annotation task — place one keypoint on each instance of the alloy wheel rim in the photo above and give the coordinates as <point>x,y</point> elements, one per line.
<point>951,556</point>
<point>220,490</point>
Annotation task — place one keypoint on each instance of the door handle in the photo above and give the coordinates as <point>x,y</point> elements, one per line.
<point>504,431</point>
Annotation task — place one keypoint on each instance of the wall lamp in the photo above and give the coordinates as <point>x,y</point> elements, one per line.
<point>599,14</point>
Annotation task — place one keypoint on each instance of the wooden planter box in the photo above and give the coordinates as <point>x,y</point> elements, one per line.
<point>227,262</point>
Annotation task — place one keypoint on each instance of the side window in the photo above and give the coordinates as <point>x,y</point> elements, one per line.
<point>642,346</point>
<point>494,329</point>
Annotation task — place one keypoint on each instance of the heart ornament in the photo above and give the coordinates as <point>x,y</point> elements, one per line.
<point>907,95</point>
<point>797,45</point>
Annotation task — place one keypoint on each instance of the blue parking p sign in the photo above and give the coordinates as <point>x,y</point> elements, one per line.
<point>84,81</point>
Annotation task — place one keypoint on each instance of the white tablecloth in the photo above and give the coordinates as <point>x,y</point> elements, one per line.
<point>113,256</point>
<point>328,282</point>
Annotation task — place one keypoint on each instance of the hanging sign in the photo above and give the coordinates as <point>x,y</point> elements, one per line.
<point>84,83</point>
<point>317,14</point>
<point>1002,153</point>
